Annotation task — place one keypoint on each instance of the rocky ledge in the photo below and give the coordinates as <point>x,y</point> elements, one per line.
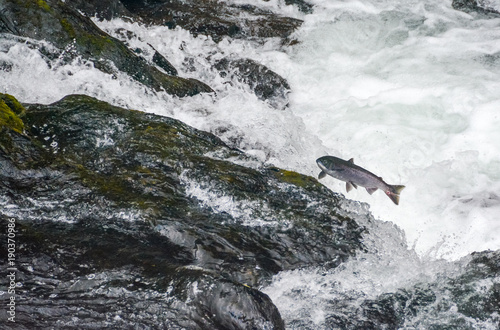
<point>127,219</point>
<point>150,212</point>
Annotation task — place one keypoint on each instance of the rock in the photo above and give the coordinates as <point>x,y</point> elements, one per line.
<point>478,6</point>
<point>102,9</point>
<point>163,63</point>
<point>266,84</point>
<point>214,18</point>
<point>131,218</point>
<point>76,35</point>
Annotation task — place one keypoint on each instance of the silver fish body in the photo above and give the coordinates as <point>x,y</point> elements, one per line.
<point>355,176</point>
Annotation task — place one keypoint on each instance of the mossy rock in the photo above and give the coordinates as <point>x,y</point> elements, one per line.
<point>10,110</point>
<point>99,189</point>
<point>149,164</point>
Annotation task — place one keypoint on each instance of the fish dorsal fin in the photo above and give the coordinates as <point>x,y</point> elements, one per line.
<point>349,186</point>
<point>371,190</point>
<point>321,175</point>
<point>351,160</point>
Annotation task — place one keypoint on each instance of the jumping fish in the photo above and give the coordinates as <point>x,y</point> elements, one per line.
<point>355,176</point>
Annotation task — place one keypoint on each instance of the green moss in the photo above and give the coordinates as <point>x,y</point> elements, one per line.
<point>113,186</point>
<point>13,104</point>
<point>66,25</point>
<point>43,4</point>
<point>9,119</point>
<point>295,178</point>
<point>97,44</point>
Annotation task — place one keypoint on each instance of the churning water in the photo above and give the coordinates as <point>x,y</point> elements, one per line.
<point>409,89</point>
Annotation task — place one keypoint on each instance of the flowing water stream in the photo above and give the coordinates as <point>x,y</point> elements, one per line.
<point>409,89</point>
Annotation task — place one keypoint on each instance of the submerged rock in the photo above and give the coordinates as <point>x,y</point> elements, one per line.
<point>266,84</point>
<point>163,63</point>
<point>76,35</point>
<point>121,211</point>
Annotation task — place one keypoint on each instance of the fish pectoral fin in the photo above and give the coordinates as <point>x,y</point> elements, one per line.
<point>371,190</point>
<point>321,175</point>
<point>349,186</point>
<point>351,160</point>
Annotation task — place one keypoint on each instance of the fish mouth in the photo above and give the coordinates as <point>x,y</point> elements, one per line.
<point>320,162</point>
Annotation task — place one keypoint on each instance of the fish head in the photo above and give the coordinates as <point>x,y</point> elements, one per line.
<point>326,163</point>
<point>322,162</point>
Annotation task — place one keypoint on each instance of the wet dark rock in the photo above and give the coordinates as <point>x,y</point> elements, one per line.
<point>102,9</point>
<point>477,6</point>
<point>127,218</point>
<point>214,18</point>
<point>75,35</point>
<point>163,63</point>
<point>266,84</point>
<point>101,273</point>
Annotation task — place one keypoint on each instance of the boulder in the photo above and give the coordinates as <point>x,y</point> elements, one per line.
<point>131,218</point>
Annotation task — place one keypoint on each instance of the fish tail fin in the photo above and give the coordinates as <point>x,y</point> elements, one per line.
<point>394,193</point>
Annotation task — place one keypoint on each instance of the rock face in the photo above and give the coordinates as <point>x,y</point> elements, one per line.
<point>75,35</point>
<point>266,84</point>
<point>102,9</point>
<point>138,207</point>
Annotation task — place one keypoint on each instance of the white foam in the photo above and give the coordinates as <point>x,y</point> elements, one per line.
<point>411,96</point>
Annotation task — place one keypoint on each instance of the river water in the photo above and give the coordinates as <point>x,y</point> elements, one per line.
<point>408,89</point>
